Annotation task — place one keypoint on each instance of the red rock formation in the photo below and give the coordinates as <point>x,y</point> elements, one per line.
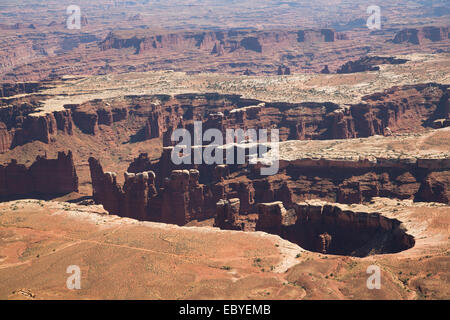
<point>357,181</point>
<point>325,70</point>
<point>5,138</point>
<point>154,126</point>
<point>333,229</point>
<point>271,217</point>
<point>18,125</point>
<point>137,199</point>
<point>400,109</point>
<point>323,243</point>
<point>15,180</point>
<point>217,43</point>
<point>417,36</point>
<point>407,35</point>
<point>195,189</point>
<point>435,188</point>
<point>139,192</point>
<point>84,118</point>
<point>88,116</point>
<point>64,121</point>
<point>44,178</point>
<point>368,64</point>
<point>323,35</point>
<point>178,200</point>
<point>16,26</point>
<point>105,116</point>
<point>12,89</point>
<point>140,164</point>
<point>105,189</point>
<point>176,197</point>
<point>283,70</point>
<point>227,214</point>
<point>54,176</point>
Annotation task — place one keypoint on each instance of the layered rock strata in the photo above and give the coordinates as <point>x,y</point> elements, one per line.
<point>44,178</point>
<point>182,193</point>
<point>21,124</point>
<point>399,109</point>
<point>367,64</point>
<point>179,200</point>
<point>419,35</point>
<point>218,42</point>
<point>331,228</point>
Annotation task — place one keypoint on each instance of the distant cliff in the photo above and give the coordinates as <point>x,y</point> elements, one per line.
<point>218,42</point>
<point>418,35</point>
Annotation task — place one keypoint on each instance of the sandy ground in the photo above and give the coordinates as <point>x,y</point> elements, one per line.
<point>121,258</point>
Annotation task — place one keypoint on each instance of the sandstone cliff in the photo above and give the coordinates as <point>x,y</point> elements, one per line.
<point>368,64</point>
<point>418,35</point>
<point>334,229</point>
<point>217,42</point>
<point>44,178</point>
<point>395,110</point>
<point>179,200</point>
<point>158,190</point>
<point>11,89</point>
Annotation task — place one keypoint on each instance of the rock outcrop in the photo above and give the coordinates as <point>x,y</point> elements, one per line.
<point>327,228</point>
<point>182,197</point>
<point>20,125</point>
<point>435,188</point>
<point>233,193</point>
<point>399,109</point>
<point>418,35</point>
<point>217,42</point>
<point>227,214</point>
<point>335,229</point>
<point>283,71</point>
<point>105,189</point>
<point>368,64</point>
<point>6,138</point>
<point>179,200</point>
<point>396,110</point>
<point>12,89</point>
<point>325,70</point>
<point>323,35</point>
<point>43,179</point>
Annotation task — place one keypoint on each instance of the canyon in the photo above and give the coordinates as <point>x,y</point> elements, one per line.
<point>398,109</point>
<point>41,47</point>
<point>418,36</point>
<point>357,121</point>
<point>42,113</point>
<point>157,190</point>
